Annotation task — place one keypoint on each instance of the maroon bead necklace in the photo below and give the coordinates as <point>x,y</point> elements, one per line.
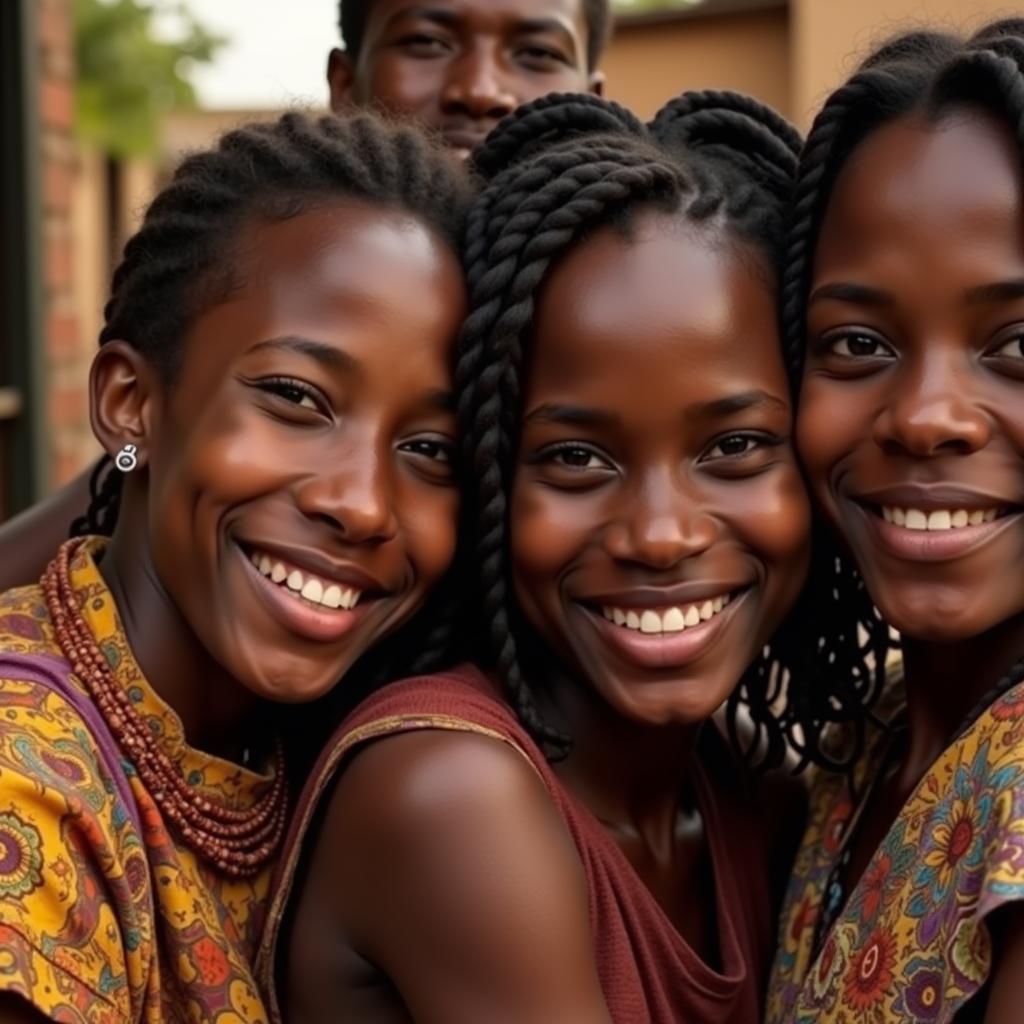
<point>238,842</point>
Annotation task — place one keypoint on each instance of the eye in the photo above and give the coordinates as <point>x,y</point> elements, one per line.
<point>295,392</point>
<point>543,56</point>
<point>428,448</point>
<point>858,346</point>
<point>577,457</point>
<point>735,445</point>
<point>422,45</point>
<point>1012,349</point>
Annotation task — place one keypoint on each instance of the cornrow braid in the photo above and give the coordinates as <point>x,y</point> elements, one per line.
<point>555,171</point>
<point>932,74</point>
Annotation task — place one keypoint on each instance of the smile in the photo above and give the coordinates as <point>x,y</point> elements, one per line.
<point>666,620</point>
<point>939,519</point>
<point>302,584</point>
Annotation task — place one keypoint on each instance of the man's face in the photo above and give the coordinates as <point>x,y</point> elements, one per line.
<point>459,66</point>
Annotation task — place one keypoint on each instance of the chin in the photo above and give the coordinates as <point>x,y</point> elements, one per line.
<point>669,703</point>
<point>932,619</point>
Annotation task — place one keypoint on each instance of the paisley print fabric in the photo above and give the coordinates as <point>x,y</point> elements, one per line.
<point>911,943</point>
<point>104,916</point>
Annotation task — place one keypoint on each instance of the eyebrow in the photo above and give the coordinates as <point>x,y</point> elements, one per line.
<point>327,355</point>
<point>439,398</point>
<point>1001,291</point>
<point>450,19</point>
<point>570,415</point>
<point>845,291</point>
<point>741,402</point>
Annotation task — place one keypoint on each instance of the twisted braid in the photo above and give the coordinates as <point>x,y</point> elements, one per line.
<point>558,169</point>
<point>926,73</point>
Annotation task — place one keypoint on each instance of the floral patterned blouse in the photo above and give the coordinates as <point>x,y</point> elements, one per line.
<point>104,916</point>
<point>911,943</point>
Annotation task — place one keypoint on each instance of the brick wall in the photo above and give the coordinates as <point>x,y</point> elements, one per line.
<point>68,353</point>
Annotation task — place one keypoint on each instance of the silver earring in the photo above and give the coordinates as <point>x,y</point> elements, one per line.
<point>127,458</point>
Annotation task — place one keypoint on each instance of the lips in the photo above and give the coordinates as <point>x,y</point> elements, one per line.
<point>313,603</point>
<point>660,635</point>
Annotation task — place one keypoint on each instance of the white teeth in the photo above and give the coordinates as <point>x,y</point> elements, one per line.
<point>669,620</point>
<point>916,519</point>
<point>673,621</point>
<point>939,519</point>
<point>650,622</point>
<point>310,588</point>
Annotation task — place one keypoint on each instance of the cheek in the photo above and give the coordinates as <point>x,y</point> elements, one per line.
<point>547,530</point>
<point>428,520</point>
<point>824,433</point>
<point>405,86</point>
<point>780,532</point>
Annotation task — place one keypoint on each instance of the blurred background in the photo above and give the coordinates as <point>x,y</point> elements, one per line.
<point>99,98</point>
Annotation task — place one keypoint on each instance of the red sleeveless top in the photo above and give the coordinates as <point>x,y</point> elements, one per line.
<point>648,973</point>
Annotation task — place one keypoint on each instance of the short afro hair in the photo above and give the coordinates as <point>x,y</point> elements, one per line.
<point>353,15</point>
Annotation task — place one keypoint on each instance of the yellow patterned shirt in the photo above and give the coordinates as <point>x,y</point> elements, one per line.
<point>911,943</point>
<point>104,915</point>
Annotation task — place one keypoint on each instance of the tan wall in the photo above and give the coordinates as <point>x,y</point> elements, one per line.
<point>647,64</point>
<point>829,36</point>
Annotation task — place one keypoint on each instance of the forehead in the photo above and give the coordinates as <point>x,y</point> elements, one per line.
<point>951,187</point>
<point>666,308</point>
<point>486,15</point>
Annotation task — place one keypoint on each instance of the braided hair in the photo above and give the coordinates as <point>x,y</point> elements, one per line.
<point>931,74</point>
<point>354,14</point>
<point>556,170</point>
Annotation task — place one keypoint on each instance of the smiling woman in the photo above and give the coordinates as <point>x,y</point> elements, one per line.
<point>569,838</point>
<point>274,380</point>
<point>906,309</point>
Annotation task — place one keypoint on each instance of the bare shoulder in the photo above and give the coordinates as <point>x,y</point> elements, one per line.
<point>444,862</point>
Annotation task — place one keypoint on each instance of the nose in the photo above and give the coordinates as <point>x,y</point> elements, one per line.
<point>355,499</point>
<point>931,411</point>
<point>659,526</point>
<point>476,86</point>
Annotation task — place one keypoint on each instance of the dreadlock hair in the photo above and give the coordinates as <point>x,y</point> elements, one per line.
<point>178,263</point>
<point>555,171</point>
<point>930,74</point>
<point>354,14</point>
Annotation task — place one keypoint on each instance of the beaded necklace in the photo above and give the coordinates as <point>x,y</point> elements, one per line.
<point>238,842</point>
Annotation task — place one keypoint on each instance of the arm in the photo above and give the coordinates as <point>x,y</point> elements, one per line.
<point>29,541</point>
<point>1007,986</point>
<point>443,862</point>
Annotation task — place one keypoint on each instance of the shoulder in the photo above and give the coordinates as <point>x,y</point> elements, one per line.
<point>25,626</point>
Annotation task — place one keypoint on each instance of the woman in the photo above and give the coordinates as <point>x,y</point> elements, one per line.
<point>643,531</point>
<point>273,385</point>
<point>903,302</point>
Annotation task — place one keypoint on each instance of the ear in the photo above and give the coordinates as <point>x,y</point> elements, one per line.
<point>595,83</point>
<point>341,77</point>
<point>123,389</point>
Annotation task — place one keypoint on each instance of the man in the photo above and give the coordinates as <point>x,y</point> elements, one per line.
<point>456,66</point>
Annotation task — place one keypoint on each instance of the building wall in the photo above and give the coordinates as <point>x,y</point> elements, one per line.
<point>69,443</point>
<point>648,62</point>
<point>829,36</point>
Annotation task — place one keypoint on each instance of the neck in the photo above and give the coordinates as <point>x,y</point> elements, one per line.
<point>945,681</point>
<point>634,777</point>
<point>218,714</point>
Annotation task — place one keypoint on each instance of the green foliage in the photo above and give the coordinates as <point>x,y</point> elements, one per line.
<point>128,76</point>
<point>644,6</point>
